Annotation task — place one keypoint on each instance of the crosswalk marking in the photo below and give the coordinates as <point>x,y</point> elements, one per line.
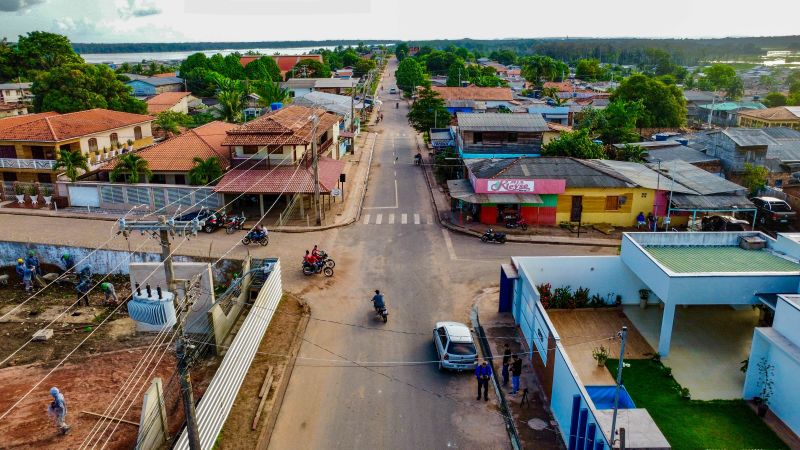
<point>429,219</point>
<point>404,219</point>
<point>398,219</point>
<point>366,219</point>
<point>416,219</point>
<point>379,219</point>
<point>391,219</point>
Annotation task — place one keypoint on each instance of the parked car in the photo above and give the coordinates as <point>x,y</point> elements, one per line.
<point>724,223</point>
<point>773,211</point>
<point>454,346</point>
<point>209,220</point>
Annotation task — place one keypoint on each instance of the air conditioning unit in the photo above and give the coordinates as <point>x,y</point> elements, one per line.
<point>752,242</point>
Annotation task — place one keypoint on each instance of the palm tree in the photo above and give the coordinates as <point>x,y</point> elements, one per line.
<point>632,153</point>
<point>553,94</point>
<point>71,161</point>
<point>205,171</point>
<point>269,92</point>
<point>131,166</point>
<point>230,95</point>
<point>170,122</point>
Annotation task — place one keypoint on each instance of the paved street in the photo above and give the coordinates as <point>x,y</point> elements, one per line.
<point>427,273</point>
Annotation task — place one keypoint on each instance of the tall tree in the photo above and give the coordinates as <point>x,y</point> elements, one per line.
<point>428,111</point>
<point>664,106</point>
<point>409,75</point>
<point>8,67</point>
<point>71,162</point>
<point>205,171</point>
<point>263,68</point>
<point>537,69</point>
<point>401,51</point>
<point>309,68</point>
<point>616,124</point>
<point>77,86</point>
<point>269,92</point>
<point>456,73</point>
<point>590,70</point>
<point>363,66</point>
<point>170,122</point>
<point>722,77</point>
<point>130,168</point>
<point>577,144</point>
<point>39,50</point>
<point>774,99</point>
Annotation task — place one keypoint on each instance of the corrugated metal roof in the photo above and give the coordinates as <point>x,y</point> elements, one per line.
<point>502,122</point>
<point>339,104</point>
<point>697,179</point>
<point>711,202</point>
<point>15,85</point>
<point>678,152</point>
<point>641,175</point>
<point>573,171</point>
<point>748,137</point>
<point>780,133</point>
<point>462,190</point>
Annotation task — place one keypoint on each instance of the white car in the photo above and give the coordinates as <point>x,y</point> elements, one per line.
<point>454,346</point>
<point>393,91</point>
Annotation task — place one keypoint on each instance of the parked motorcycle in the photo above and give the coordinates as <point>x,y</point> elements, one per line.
<point>234,223</point>
<point>382,313</point>
<point>309,269</point>
<point>492,236</point>
<point>254,236</point>
<point>517,223</point>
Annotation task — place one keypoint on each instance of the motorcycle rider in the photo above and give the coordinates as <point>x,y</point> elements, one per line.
<point>377,300</point>
<point>312,260</point>
<point>259,232</point>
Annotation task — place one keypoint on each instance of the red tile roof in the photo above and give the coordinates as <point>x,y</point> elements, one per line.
<point>474,93</point>
<point>54,127</point>
<point>166,75</point>
<point>789,113</point>
<point>177,154</point>
<point>284,179</point>
<point>287,126</point>
<point>285,62</point>
<point>164,101</point>
<point>558,127</point>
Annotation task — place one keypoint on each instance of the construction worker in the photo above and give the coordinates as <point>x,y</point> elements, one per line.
<point>27,277</point>
<point>33,260</point>
<point>20,268</point>
<point>58,411</point>
<point>83,287</point>
<point>69,262</point>
<point>108,290</point>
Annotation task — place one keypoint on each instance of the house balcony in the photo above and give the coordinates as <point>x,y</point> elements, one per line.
<point>28,164</point>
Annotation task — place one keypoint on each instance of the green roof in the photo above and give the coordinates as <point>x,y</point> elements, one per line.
<point>686,259</point>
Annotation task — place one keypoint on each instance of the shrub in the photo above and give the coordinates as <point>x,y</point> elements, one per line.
<point>562,297</point>
<point>581,297</point>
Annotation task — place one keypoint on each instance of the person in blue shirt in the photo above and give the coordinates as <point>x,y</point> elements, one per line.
<point>377,300</point>
<point>69,262</point>
<point>33,260</point>
<point>20,267</point>
<point>483,372</point>
<point>27,277</point>
<point>58,411</point>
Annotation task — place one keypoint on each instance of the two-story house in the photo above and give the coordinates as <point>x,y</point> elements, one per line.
<point>15,92</point>
<point>475,99</point>
<point>499,135</point>
<point>272,158</point>
<point>30,144</point>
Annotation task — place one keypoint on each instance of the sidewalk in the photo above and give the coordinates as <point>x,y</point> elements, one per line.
<point>543,235</point>
<point>533,422</point>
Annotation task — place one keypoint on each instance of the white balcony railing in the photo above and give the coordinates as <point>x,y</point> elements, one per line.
<point>37,164</point>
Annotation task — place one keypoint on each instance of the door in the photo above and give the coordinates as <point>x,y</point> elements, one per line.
<point>577,208</point>
<point>37,153</point>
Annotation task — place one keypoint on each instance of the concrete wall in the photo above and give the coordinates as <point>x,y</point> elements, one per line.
<point>222,322</point>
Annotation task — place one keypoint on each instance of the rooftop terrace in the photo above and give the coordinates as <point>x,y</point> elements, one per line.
<point>692,259</point>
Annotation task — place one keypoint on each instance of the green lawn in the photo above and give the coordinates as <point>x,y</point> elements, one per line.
<point>693,424</point>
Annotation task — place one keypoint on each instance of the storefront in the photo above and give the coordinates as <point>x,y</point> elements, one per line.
<point>497,201</point>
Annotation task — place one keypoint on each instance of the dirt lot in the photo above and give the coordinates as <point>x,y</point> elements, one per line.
<point>237,432</point>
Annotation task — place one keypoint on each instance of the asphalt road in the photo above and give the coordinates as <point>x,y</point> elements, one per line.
<point>427,274</point>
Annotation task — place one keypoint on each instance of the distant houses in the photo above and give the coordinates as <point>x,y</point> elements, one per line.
<point>148,86</point>
<point>285,62</point>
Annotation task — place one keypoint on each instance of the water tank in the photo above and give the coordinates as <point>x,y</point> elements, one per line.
<point>275,106</point>
<point>682,141</point>
<point>661,137</point>
<point>152,307</point>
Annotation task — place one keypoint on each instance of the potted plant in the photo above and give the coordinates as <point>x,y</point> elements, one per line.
<point>600,354</point>
<point>765,371</point>
<point>618,301</point>
<point>19,192</point>
<point>644,296</point>
<point>31,191</point>
<point>47,194</point>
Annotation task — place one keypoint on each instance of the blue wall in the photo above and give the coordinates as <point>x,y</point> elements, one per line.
<point>141,88</point>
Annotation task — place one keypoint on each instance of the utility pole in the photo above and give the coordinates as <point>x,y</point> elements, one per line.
<point>163,229</point>
<point>317,206</point>
<point>623,334</point>
<point>655,200</point>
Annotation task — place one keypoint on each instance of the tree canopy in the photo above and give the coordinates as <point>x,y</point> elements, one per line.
<point>401,51</point>
<point>616,124</point>
<point>577,144</point>
<point>428,111</point>
<point>309,68</point>
<point>722,77</point>
<point>264,68</point>
<point>39,50</point>
<point>591,70</point>
<point>663,105</point>
<point>537,69</point>
<point>409,74</point>
<point>78,86</point>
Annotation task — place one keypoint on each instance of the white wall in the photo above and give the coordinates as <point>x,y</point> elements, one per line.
<point>787,318</point>
<point>124,133</point>
<point>83,195</point>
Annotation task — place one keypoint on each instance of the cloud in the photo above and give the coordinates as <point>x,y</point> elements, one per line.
<point>136,8</point>
<point>18,5</point>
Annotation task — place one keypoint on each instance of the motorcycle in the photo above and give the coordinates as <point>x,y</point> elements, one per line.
<point>214,221</point>
<point>492,236</point>
<point>517,223</point>
<point>234,223</point>
<point>254,236</point>
<point>309,269</point>
<point>382,313</point>
<point>326,261</point>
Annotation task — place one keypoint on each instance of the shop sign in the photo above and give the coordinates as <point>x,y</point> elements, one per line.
<point>511,186</point>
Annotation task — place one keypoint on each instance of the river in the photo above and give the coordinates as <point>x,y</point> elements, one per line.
<point>119,58</point>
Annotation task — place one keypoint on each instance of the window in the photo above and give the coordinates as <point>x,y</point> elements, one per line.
<point>8,151</point>
<point>137,133</point>
<point>92,145</point>
<point>114,140</point>
<point>250,149</point>
<point>442,337</point>
<point>778,183</point>
<point>612,203</point>
<point>180,179</point>
<point>512,137</point>
<point>44,178</point>
<point>461,348</point>
<point>9,176</point>
<point>477,138</point>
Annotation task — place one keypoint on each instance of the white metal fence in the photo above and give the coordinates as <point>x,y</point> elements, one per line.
<point>165,197</point>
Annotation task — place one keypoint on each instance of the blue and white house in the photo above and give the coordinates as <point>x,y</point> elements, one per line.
<point>149,86</point>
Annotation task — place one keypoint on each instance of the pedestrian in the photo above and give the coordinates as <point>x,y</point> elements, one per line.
<point>482,373</point>
<point>506,361</point>
<point>108,290</point>
<point>58,411</point>
<point>27,277</point>
<point>83,287</point>
<point>516,372</point>
<point>640,221</point>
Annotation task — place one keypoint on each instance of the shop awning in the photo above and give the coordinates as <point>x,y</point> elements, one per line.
<point>711,202</point>
<point>462,190</point>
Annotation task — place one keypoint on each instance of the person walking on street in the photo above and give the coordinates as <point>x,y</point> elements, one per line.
<point>483,372</point>
<point>108,290</point>
<point>516,372</point>
<point>506,361</point>
<point>58,411</point>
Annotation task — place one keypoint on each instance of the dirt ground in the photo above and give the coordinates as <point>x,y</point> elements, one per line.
<point>237,432</point>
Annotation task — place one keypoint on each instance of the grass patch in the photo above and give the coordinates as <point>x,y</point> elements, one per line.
<point>693,424</point>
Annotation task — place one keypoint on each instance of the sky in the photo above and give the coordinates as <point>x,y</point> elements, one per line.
<point>286,20</point>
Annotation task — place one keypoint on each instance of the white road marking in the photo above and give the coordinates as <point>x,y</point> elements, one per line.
<point>416,219</point>
<point>450,250</point>
<point>391,219</point>
<point>404,219</point>
<point>429,219</point>
<point>379,219</point>
<point>366,219</point>
<point>396,200</point>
